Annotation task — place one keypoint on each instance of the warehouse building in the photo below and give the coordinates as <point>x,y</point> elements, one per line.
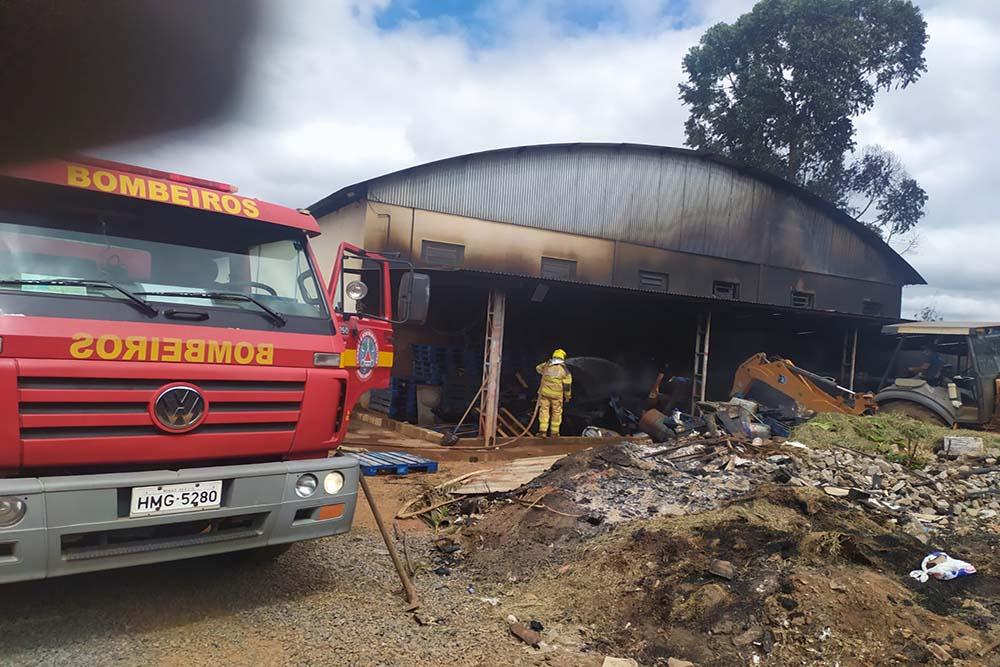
<point>648,256</point>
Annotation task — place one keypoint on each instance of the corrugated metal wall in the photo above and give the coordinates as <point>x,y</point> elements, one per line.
<point>646,196</point>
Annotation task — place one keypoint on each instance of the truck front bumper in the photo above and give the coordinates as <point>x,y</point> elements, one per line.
<point>81,523</point>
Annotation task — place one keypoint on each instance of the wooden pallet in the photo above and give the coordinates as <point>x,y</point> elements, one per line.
<point>393,463</point>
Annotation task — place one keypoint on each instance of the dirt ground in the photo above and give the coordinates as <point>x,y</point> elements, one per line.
<point>815,583</point>
<point>331,601</point>
<point>391,492</point>
<point>807,579</point>
<point>812,580</point>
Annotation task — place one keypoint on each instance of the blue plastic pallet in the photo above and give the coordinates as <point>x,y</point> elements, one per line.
<point>393,463</point>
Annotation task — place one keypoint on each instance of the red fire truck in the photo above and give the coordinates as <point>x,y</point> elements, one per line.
<point>173,369</point>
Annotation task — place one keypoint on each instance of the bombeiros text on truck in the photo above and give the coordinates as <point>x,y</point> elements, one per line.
<point>173,369</point>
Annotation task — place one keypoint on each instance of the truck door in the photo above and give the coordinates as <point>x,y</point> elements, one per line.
<point>360,294</point>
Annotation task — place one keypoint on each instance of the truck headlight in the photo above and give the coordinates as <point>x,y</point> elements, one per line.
<point>306,485</point>
<point>356,290</point>
<point>333,482</point>
<point>12,510</point>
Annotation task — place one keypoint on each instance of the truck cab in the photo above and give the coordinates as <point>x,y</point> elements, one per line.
<point>943,372</point>
<point>174,372</point>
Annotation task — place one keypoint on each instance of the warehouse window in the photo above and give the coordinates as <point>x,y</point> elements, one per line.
<point>558,269</point>
<point>651,280</point>
<point>725,290</point>
<point>803,299</point>
<point>873,308</point>
<point>442,254</point>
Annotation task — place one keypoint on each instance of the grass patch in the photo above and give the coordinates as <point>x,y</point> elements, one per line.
<point>895,436</point>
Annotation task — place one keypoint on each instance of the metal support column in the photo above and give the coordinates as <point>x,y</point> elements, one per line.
<point>699,379</point>
<point>854,359</point>
<point>489,404</point>
<point>849,358</point>
<point>845,360</point>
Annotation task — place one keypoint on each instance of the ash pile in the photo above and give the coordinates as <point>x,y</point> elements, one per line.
<point>623,481</point>
<point>626,481</point>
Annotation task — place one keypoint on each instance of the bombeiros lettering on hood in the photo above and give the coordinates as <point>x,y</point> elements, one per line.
<point>132,185</point>
<point>109,347</point>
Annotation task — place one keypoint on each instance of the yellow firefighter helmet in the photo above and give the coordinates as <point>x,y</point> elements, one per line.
<point>559,354</point>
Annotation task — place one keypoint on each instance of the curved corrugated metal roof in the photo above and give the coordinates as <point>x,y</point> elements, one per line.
<point>658,196</point>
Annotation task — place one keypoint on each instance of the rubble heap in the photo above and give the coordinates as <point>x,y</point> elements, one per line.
<point>787,576</point>
<point>626,481</point>
<point>721,551</point>
<point>947,493</point>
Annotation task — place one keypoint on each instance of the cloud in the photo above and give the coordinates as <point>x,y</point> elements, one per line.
<point>944,130</point>
<point>332,99</point>
<point>335,94</point>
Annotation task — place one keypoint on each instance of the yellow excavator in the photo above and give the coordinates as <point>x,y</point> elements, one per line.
<point>795,392</point>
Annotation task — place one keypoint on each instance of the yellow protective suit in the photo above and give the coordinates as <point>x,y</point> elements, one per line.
<point>556,387</point>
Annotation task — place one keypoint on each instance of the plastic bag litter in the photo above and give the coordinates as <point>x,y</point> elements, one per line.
<point>943,567</point>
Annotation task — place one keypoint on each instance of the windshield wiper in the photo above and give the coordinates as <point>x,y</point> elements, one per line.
<point>69,282</point>
<point>271,314</point>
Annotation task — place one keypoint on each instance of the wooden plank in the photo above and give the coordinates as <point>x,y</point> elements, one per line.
<point>509,477</point>
<point>514,420</point>
<point>510,428</point>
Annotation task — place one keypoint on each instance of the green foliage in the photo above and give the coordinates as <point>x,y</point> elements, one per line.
<point>896,437</point>
<point>881,186</point>
<point>779,87</point>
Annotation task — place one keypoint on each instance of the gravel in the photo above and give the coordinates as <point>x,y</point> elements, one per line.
<point>332,601</point>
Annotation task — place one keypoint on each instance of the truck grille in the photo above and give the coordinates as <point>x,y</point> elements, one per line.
<point>63,418</point>
<point>123,541</point>
<point>62,407</point>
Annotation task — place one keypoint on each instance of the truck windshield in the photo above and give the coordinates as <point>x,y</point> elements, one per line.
<point>209,267</point>
<point>934,358</point>
<point>987,349</point>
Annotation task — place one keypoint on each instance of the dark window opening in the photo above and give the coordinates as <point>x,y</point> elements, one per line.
<point>725,290</point>
<point>558,269</point>
<point>651,280</point>
<point>442,254</point>
<point>803,299</point>
<point>873,308</point>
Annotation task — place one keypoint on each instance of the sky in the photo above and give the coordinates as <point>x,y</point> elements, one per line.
<point>339,91</point>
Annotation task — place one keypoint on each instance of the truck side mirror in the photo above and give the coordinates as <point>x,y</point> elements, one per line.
<point>414,297</point>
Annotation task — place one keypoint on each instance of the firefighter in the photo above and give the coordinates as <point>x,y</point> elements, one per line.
<point>555,388</point>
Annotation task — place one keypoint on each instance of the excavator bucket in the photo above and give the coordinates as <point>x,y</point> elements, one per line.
<point>781,385</point>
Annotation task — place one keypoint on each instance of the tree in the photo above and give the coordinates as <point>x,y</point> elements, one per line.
<point>928,314</point>
<point>779,89</point>
<point>879,188</point>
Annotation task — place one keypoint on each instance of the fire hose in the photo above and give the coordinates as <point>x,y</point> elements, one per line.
<point>453,438</point>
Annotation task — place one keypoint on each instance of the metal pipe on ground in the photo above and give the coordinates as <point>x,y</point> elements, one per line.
<point>411,592</point>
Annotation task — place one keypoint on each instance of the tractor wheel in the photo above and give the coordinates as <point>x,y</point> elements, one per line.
<point>915,410</point>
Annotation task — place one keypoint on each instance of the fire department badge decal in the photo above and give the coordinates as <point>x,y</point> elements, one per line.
<point>367,354</point>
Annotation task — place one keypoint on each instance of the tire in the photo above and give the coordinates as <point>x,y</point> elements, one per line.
<point>915,410</point>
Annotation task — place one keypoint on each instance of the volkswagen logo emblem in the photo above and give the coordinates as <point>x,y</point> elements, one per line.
<point>178,408</point>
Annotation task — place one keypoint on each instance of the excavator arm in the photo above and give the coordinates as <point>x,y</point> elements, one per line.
<point>782,385</point>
